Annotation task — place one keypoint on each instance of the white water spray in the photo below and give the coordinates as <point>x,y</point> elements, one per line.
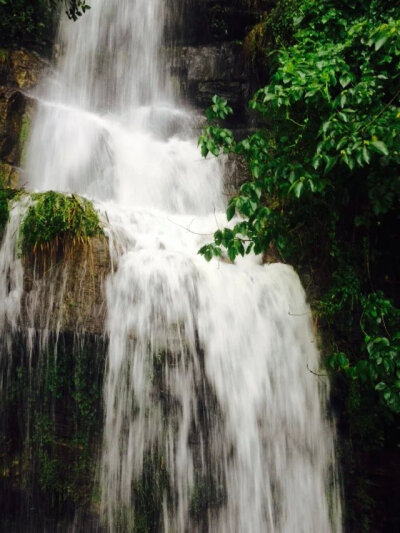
<point>11,274</point>
<point>207,390</point>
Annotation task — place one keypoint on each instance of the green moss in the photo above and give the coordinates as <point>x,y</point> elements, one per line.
<point>206,494</point>
<point>254,42</point>
<point>65,460</point>
<point>24,134</point>
<point>56,216</point>
<point>51,448</point>
<point>145,515</point>
<point>149,492</point>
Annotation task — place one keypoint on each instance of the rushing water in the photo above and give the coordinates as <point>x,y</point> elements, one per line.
<point>207,394</point>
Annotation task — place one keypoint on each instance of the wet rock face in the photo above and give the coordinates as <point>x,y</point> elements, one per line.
<point>203,71</point>
<point>13,107</point>
<point>209,55</point>
<point>20,71</point>
<point>221,20</point>
<point>50,426</point>
<point>64,287</point>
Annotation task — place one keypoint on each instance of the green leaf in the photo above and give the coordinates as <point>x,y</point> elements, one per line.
<point>330,163</point>
<point>232,253</point>
<point>366,155</point>
<point>345,80</point>
<point>298,187</point>
<point>380,42</point>
<point>379,147</point>
<point>218,236</point>
<point>206,251</point>
<point>230,212</point>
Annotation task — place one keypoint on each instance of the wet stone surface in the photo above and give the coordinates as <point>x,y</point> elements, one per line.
<point>64,287</point>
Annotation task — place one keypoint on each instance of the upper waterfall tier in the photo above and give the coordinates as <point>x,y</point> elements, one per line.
<point>111,58</point>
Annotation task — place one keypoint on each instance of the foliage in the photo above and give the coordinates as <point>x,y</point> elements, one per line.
<point>275,30</point>
<point>23,22</point>
<point>58,216</point>
<point>213,137</point>
<point>76,8</point>
<point>382,366</point>
<point>326,181</point>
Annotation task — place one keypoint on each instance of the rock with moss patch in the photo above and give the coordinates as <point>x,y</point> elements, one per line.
<point>64,286</point>
<point>9,176</point>
<point>16,110</point>
<point>20,69</point>
<point>66,262</point>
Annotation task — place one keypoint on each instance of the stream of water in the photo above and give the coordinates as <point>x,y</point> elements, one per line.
<point>207,391</point>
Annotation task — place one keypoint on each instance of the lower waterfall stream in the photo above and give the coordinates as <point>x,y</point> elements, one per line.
<point>207,393</point>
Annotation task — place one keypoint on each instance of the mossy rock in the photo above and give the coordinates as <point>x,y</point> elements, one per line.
<point>16,111</point>
<point>48,454</point>
<point>64,253</point>
<point>275,30</point>
<point>25,128</point>
<point>54,216</point>
<point>21,68</point>
<point>9,176</point>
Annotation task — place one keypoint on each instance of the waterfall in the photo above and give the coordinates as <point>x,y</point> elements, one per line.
<point>213,421</point>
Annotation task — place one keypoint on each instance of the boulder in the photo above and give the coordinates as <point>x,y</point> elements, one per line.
<point>9,176</point>
<point>20,69</point>
<point>15,116</point>
<point>64,286</point>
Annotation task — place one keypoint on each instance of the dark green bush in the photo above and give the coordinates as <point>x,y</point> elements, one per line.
<point>27,23</point>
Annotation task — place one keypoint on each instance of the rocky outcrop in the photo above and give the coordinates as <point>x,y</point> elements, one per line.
<point>64,287</point>
<point>15,116</point>
<point>20,71</point>
<point>203,71</point>
<point>209,56</point>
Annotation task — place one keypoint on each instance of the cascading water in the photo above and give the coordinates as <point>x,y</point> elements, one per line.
<point>208,400</point>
